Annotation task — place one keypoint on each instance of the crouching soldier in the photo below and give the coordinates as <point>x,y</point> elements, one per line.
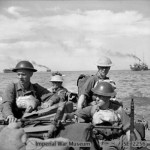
<point>107,112</point>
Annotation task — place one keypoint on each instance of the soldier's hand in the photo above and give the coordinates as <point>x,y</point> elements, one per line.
<point>46,104</point>
<point>29,109</point>
<point>11,119</point>
<point>12,137</point>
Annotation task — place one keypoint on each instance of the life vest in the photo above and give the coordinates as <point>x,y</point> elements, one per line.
<point>101,116</point>
<point>26,102</point>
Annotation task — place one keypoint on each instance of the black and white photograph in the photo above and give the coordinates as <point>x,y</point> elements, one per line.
<point>75,74</point>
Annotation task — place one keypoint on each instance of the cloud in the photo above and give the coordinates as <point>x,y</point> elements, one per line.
<point>72,37</point>
<point>100,23</point>
<point>104,21</point>
<point>15,28</point>
<point>15,11</point>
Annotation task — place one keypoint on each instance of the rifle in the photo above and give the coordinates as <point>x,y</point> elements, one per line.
<point>42,128</point>
<point>107,127</point>
<point>31,121</point>
<point>132,124</point>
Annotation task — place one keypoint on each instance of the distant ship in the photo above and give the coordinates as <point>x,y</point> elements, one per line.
<point>139,67</point>
<point>7,70</point>
<point>48,70</point>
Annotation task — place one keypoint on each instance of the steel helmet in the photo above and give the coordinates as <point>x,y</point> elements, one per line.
<point>104,61</point>
<point>56,78</point>
<point>24,65</point>
<point>104,89</point>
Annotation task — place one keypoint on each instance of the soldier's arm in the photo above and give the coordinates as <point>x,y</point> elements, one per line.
<point>85,92</point>
<point>63,94</point>
<point>7,100</point>
<point>42,93</point>
<point>84,113</point>
<point>81,101</point>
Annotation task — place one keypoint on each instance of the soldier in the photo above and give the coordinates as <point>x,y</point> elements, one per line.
<point>58,92</point>
<point>103,66</point>
<point>107,112</point>
<point>22,96</point>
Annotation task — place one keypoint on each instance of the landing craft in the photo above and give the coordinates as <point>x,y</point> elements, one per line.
<point>7,71</point>
<point>38,125</point>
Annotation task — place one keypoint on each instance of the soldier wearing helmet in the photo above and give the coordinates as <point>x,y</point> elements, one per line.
<point>22,96</point>
<point>109,113</point>
<point>103,65</point>
<point>58,92</point>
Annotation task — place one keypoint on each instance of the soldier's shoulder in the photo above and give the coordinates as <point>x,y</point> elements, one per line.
<point>11,85</point>
<point>116,104</point>
<point>37,86</point>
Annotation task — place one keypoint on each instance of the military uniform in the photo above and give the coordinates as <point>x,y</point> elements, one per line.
<point>91,83</point>
<point>15,90</point>
<point>116,138</point>
<point>56,96</point>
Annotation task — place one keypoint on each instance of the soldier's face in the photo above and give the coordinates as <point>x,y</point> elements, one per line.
<point>101,100</point>
<point>56,85</point>
<point>103,71</point>
<point>24,76</point>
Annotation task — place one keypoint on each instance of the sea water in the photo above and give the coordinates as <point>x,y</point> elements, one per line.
<point>130,84</point>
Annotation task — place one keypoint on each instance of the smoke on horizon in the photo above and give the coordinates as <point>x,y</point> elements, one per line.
<point>118,54</point>
<point>34,63</point>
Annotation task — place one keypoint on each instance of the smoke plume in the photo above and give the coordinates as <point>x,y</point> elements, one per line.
<point>118,54</point>
<point>34,63</point>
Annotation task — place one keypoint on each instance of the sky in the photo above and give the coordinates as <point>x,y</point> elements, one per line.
<point>73,35</point>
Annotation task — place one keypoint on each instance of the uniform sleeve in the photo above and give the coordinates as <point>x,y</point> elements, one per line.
<point>42,93</point>
<point>125,119</point>
<point>113,84</point>
<point>55,99</point>
<point>60,95</point>
<point>8,98</point>
<point>63,94</point>
<point>89,84</point>
<point>84,113</point>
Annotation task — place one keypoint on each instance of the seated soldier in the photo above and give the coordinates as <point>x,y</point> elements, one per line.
<point>22,96</point>
<point>59,93</point>
<point>107,112</point>
<point>85,95</point>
